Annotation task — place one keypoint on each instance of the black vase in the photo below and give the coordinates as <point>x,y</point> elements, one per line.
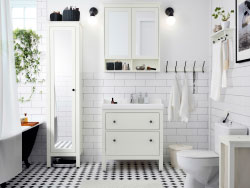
<point>55,16</point>
<point>71,15</point>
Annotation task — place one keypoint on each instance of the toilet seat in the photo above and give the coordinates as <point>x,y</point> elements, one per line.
<point>198,158</point>
<point>198,154</point>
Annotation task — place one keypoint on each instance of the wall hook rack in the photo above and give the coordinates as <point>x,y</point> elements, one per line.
<point>175,69</point>
<point>185,68</point>
<point>194,66</point>
<point>203,66</point>
<point>167,67</point>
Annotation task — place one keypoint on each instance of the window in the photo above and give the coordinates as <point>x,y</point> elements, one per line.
<point>23,14</point>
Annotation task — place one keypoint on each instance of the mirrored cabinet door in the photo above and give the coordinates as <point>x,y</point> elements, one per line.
<point>117,33</point>
<point>145,32</point>
<point>62,86</point>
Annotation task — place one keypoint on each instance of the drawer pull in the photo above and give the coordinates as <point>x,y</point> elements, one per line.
<point>150,121</point>
<point>114,140</point>
<point>114,121</point>
<point>150,140</point>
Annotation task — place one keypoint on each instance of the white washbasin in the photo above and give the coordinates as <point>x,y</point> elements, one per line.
<point>132,106</point>
<point>155,104</point>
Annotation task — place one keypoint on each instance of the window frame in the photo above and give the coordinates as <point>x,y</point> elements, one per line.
<point>24,4</point>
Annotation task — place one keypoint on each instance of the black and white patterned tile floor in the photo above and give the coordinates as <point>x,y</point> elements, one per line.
<point>38,175</point>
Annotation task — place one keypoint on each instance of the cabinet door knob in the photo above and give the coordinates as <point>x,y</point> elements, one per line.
<point>150,121</point>
<point>73,89</point>
<point>150,140</point>
<point>114,140</point>
<point>114,121</point>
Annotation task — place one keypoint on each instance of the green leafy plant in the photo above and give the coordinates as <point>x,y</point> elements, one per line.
<point>27,59</point>
<point>225,16</point>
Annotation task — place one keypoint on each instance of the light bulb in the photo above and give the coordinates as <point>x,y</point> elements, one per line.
<point>92,20</point>
<point>171,20</point>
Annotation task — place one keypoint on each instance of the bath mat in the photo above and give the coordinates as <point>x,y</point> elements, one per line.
<point>121,184</point>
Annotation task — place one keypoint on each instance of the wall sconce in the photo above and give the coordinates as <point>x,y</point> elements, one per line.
<point>170,13</point>
<point>92,18</point>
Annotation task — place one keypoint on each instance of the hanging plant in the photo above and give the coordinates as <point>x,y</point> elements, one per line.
<point>27,59</point>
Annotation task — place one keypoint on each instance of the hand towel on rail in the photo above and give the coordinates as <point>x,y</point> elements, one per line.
<point>227,58</point>
<point>216,79</point>
<point>186,101</point>
<point>174,102</point>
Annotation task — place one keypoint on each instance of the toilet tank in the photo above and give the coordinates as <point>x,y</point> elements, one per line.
<point>222,129</point>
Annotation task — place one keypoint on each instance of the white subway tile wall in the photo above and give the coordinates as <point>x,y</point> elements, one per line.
<point>235,99</point>
<point>99,86</point>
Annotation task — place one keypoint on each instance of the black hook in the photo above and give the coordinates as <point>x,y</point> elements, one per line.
<point>175,67</point>
<point>185,67</point>
<point>203,66</point>
<point>167,67</point>
<point>194,66</point>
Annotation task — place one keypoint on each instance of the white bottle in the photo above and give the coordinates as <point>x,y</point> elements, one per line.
<point>140,99</point>
<point>146,99</point>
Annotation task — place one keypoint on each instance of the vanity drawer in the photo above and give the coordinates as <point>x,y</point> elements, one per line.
<point>132,143</point>
<point>148,121</point>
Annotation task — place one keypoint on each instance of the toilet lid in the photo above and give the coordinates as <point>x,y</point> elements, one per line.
<point>198,154</point>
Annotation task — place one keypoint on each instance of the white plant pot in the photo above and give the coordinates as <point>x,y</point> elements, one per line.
<point>226,24</point>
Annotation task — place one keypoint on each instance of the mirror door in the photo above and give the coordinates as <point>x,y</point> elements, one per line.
<point>117,33</point>
<point>62,86</point>
<point>145,29</point>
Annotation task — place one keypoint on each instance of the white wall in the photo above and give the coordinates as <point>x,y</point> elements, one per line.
<point>187,40</point>
<point>236,98</point>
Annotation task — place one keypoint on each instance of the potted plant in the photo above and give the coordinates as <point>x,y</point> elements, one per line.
<point>225,16</point>
<point>27,60</point>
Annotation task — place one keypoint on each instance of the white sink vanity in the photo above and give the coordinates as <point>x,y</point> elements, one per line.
<point>132,132</point>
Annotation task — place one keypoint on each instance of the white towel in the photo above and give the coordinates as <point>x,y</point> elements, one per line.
<point>216,80</point>
<point>174,102</point>
<point>227,58</point>
<point>187,104</point>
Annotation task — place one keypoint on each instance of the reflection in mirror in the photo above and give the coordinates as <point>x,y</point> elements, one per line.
<point>63,55</point>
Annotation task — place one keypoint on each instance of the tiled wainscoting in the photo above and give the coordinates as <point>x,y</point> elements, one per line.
<point>100,86</point>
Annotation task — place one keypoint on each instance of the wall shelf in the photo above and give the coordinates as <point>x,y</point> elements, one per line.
<point>229,33</point>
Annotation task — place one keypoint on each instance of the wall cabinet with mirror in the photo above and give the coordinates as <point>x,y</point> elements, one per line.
<point>132,37</point>
<point>64,65</point>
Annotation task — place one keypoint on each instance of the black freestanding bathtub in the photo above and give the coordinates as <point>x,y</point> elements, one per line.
<point>28,139</point>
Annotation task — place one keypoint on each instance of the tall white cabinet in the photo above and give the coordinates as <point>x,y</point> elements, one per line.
<point>132,35</point>
<point>64,88</point>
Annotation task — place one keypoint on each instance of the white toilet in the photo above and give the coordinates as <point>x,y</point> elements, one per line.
<point>201,166</point>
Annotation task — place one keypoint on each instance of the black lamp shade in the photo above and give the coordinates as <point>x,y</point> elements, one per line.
<point>93,11</point>
<point>169,11</point>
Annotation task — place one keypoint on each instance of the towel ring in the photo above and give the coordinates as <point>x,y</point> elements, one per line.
<point>203,66</point>
<point>185,67</point>
<point>175,67</point>
<point>167,67</point>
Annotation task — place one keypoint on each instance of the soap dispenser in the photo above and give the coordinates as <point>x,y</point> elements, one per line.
<point>25,118</point>
<point>140,99</point>
<point>146,99</point>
